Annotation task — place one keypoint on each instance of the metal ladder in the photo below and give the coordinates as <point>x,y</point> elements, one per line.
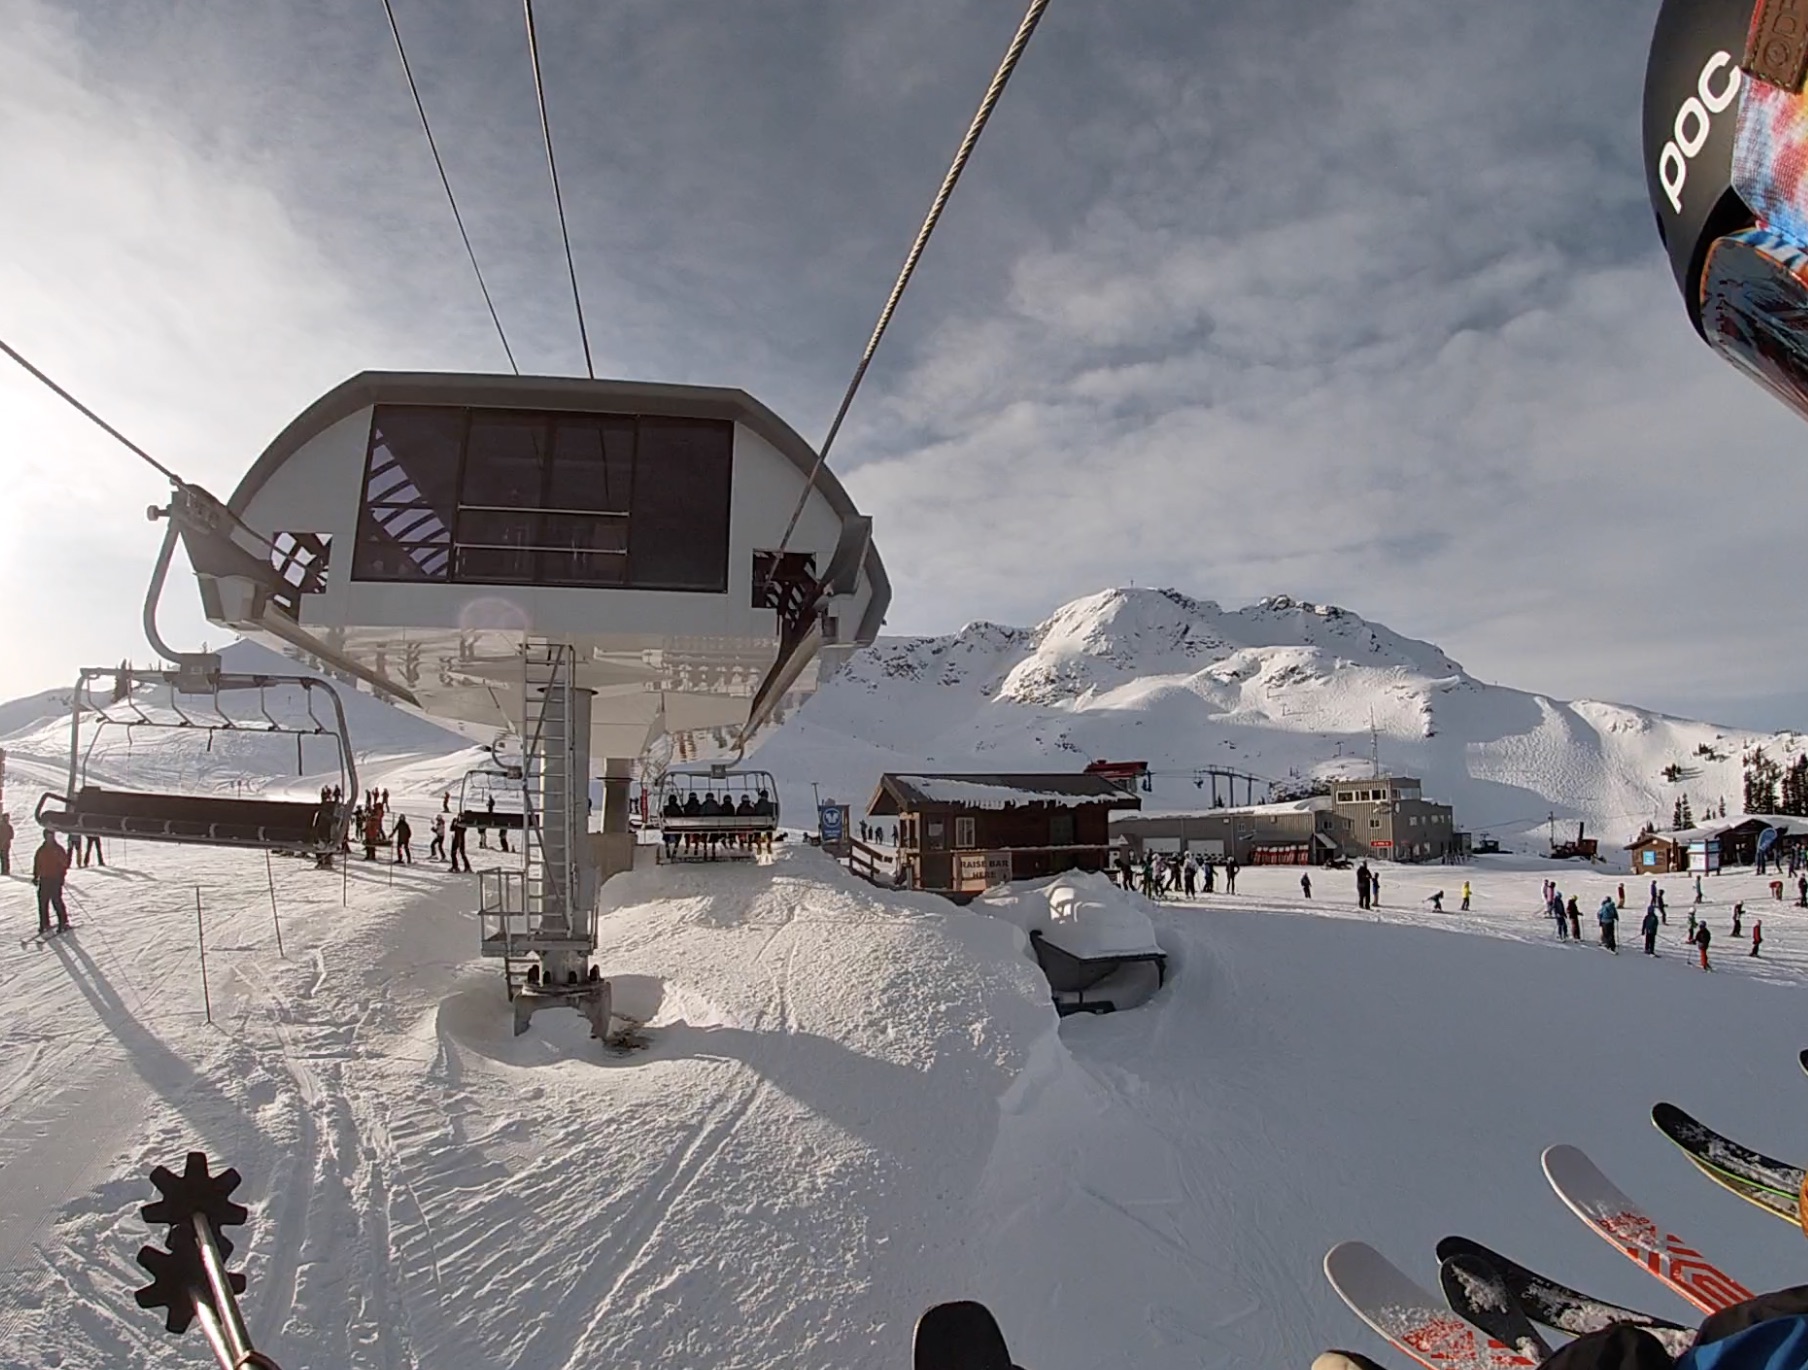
<point>551,829</point>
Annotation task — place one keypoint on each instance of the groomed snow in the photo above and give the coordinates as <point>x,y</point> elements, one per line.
<point>851,1103</point>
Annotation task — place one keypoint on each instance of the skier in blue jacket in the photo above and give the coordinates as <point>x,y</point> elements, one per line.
<point>1608,915</point>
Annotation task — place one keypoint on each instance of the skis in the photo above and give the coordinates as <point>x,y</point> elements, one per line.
<point>1560,1307</point>
<point>1478,1292</point>
<point>959,1336</point>
<point>1721,1155</point>
<point>41,938</point>
<point>1594,1198</point>
<point>1411,1318</point>
<point>1775,1204</point>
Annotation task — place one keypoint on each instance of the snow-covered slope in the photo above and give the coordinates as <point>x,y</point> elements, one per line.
<point>1282,689</point>
<point>851,1103</point>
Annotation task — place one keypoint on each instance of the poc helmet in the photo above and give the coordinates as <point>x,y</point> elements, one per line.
<point>1726,164</point>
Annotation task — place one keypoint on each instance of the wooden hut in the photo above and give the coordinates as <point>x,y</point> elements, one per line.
<point>1657,853</point>
<point>960,834</point>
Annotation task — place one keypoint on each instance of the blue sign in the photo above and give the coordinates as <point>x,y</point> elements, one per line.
<point>829,820</point>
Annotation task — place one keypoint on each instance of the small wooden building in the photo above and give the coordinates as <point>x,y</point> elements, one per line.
<point>960,834</point>
<point>1657,853</point>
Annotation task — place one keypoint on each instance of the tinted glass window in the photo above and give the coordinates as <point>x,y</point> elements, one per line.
<point>505,460</point>
<point>592,464</point>
<point>410,503</point>
<point>679,525</point>
<point>513,497</point>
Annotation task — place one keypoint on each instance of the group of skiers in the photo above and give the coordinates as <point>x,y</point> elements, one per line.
<point>700,839</point>
<point>1159,875</point>
<point>1568,918</point>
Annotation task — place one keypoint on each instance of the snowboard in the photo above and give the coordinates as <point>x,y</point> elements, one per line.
<point>1562,1308</point>
<point>959,1336</point>
<point>1478,1293</point>
<point>1714,1152</point>
<point>1595,1199</point>
<point>1410,1317</point>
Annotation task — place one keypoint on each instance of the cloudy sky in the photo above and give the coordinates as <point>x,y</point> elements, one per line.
<point>1355,300</point>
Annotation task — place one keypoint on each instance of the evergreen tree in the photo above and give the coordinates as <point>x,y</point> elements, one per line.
<point>1688,818</point>
<point>1795,787</point>
<point>1676,824</point>
<point>1761,778</point>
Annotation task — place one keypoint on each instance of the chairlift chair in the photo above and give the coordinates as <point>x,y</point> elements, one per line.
<point>482,788</point>
<point>703,814</point>
<point>91,809</point>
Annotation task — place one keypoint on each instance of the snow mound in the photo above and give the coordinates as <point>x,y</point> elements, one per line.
<point>1082,913</point>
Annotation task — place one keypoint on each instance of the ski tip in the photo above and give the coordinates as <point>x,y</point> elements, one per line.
<point>1803,1059</point>
<point>1344,1253</point>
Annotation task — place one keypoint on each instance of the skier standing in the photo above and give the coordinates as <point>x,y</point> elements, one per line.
<point>1190,874</point>
<point>1620,901</point>
<point>6,845</point>
<point>1230,875</point>
<point>436,849</point>
<point>1757,935</point>
<point>1801,885</point>
<point>458,843</point>
<point>1738,917</point>
<point>1305,883</point>
<point>1649,928</point>
<point>49,867</point>
<point>1608,913</point>
<point>1465,896</point>
<point>1663,912</point>
<point>403,835</point>
<point>1375,889</point>
<point>1701,939</point>
<point>1698,889</point>
<point>1364,885</point>
<point>1554,909</point>
<point>1575,920</point>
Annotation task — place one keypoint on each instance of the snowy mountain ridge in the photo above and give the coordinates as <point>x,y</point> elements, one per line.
<point>1284,689</point>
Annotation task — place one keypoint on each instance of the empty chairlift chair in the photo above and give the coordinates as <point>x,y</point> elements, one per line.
<point>715,814</point>
<point>197,703</point>
<point>494,799</point>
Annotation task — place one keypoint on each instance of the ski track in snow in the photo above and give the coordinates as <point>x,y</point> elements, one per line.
<point>852,1104</point>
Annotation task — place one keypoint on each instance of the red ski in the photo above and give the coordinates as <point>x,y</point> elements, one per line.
<point>1412,1318</point>
<point>1595,1199</point>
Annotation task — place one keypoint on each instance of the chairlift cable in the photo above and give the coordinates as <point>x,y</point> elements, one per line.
<point>92,417</point>
<point>552,166</point>
<point>999,79</point>
<point>444,180</point>
<point>122,439</point>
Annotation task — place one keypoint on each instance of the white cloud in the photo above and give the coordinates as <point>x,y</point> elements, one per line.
<point>1392,332</point>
